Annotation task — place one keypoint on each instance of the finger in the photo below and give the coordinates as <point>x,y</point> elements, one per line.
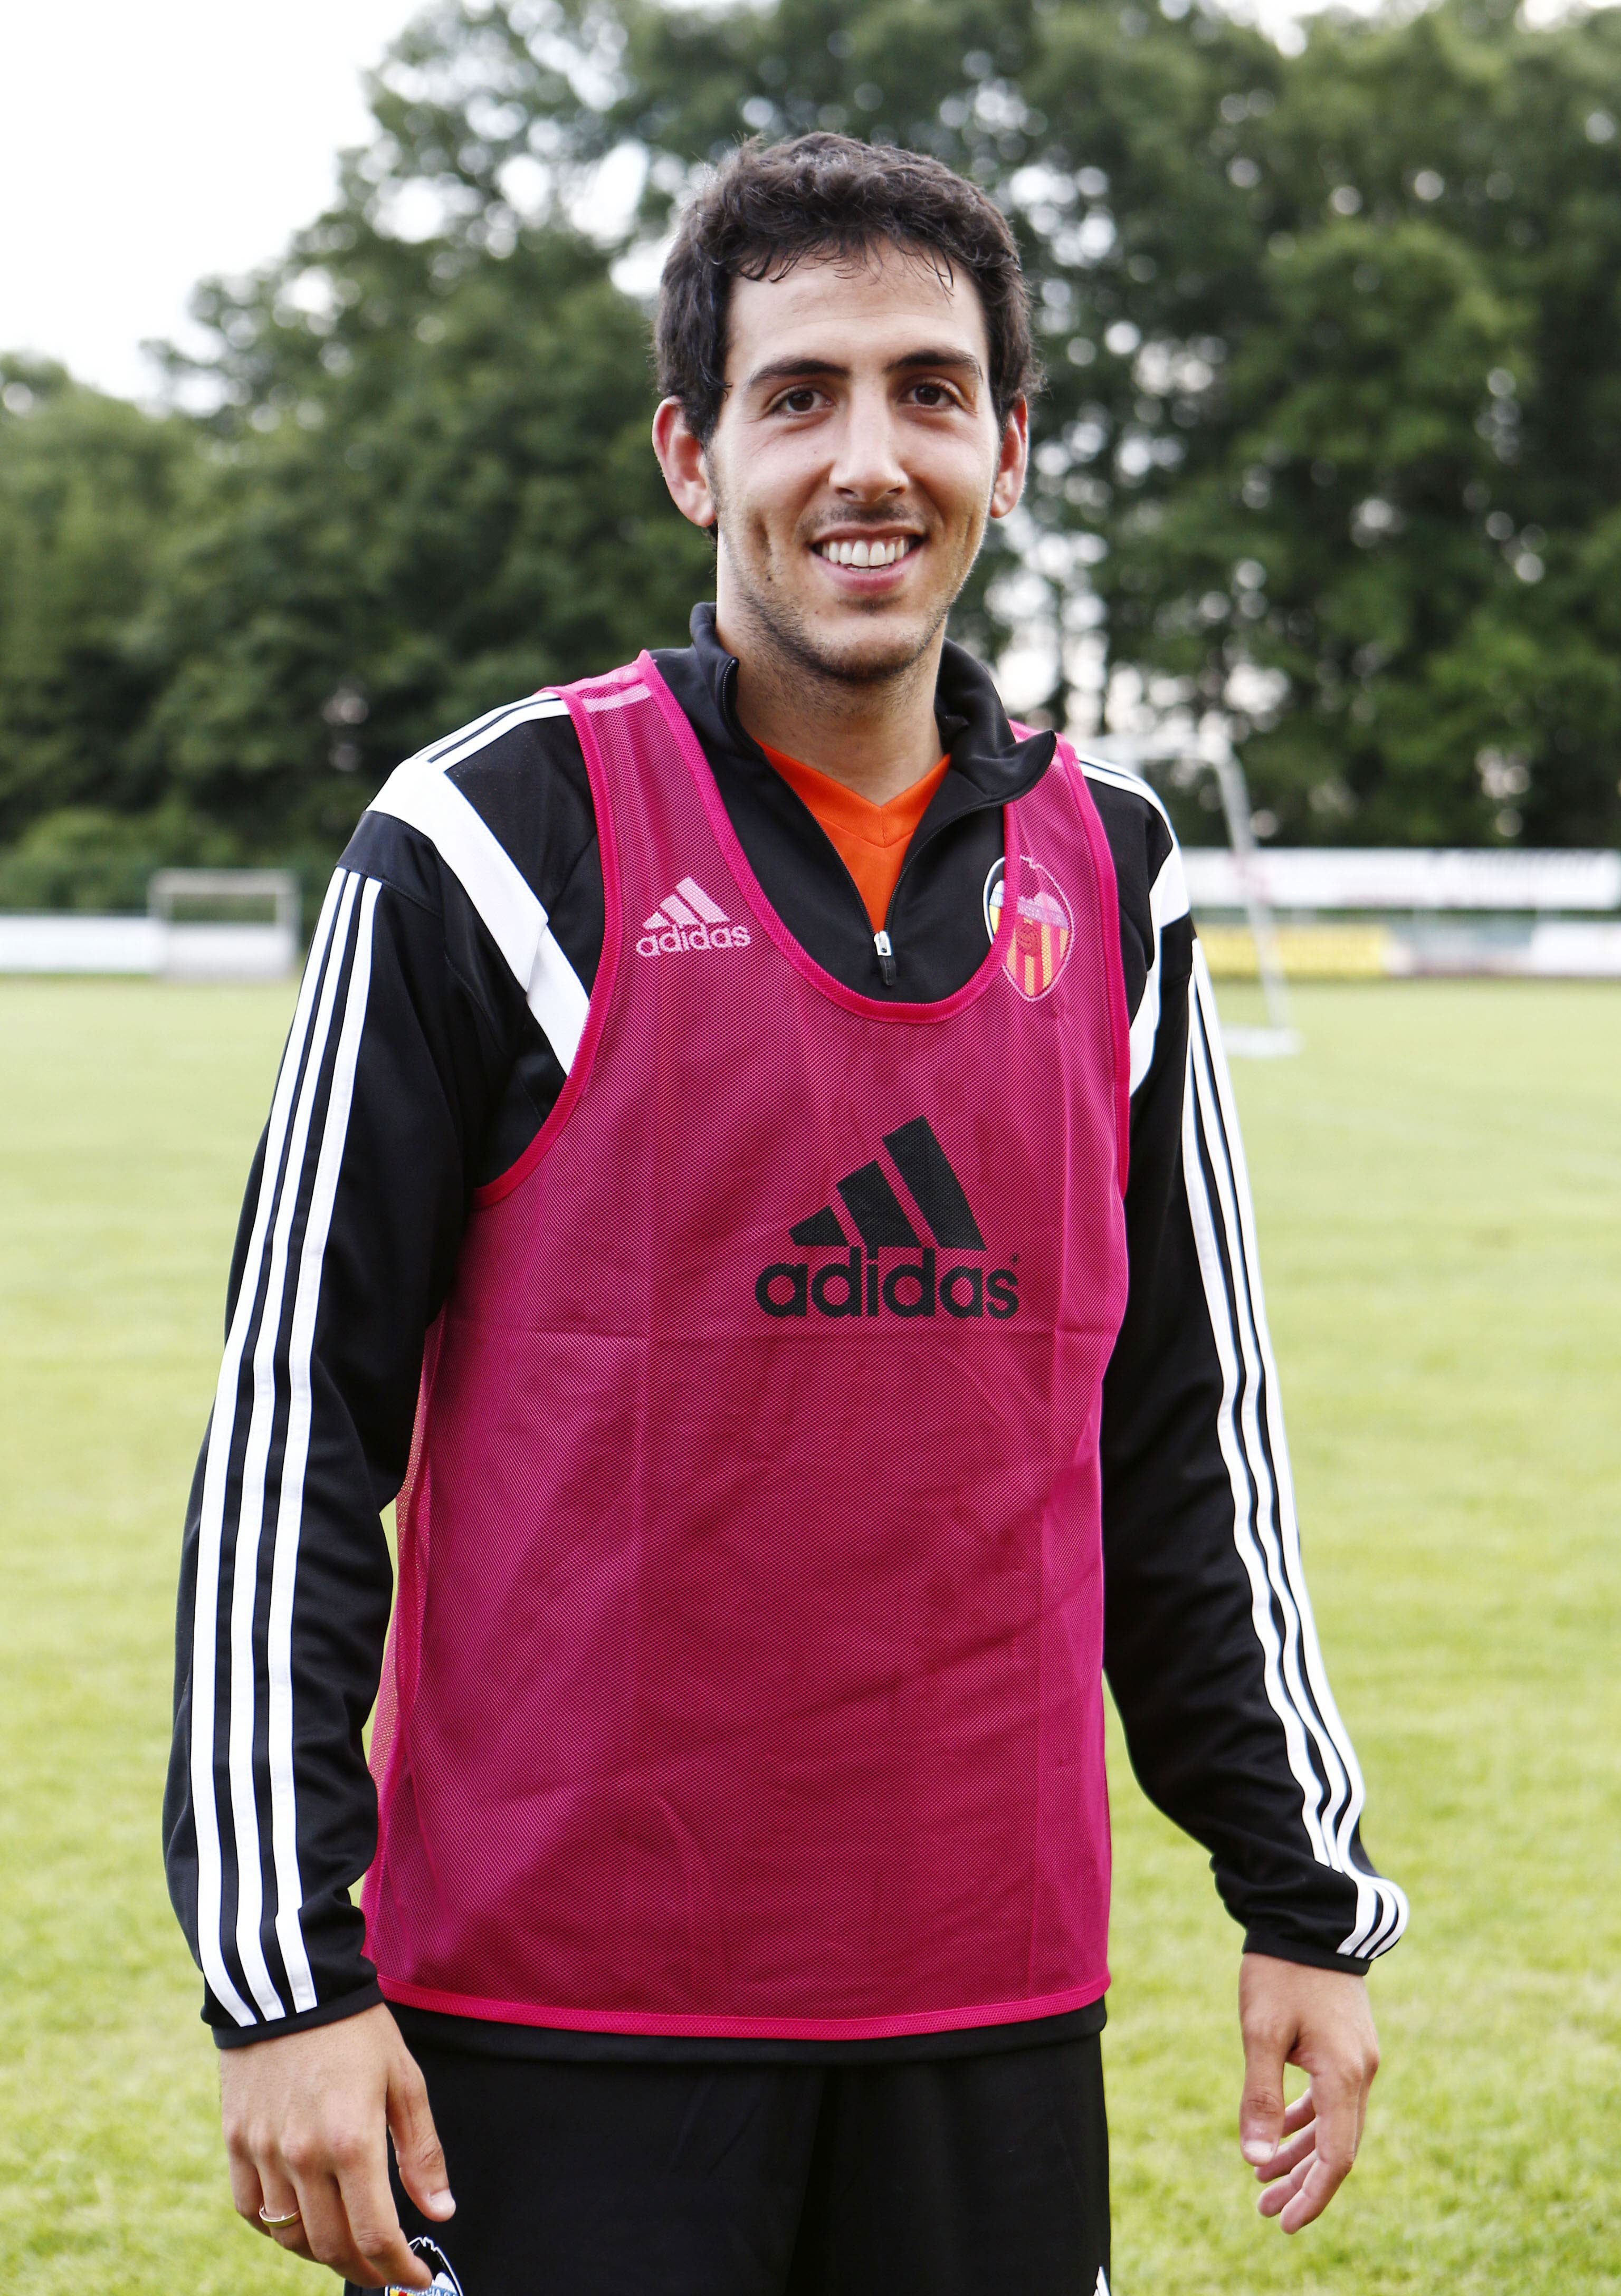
<point>271,2194</point>
<point>377,2254</point>
<point>1341,2103</point>
<point>1321,2183</point>
<point>1287,2156</point>
<point>1261,2105</point>
<point>292,2237</point>
<point>1273,2201</point>
<point>280,2201</point>
<point>278,2197</point>
<point>1301,2197</point>
<point>322,2232</point>
<point>247,2194</point>
<point>1300,2114</point>
<point>417,2146</point>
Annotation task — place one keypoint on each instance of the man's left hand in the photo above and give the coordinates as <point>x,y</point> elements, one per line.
<point>1320,2020</point>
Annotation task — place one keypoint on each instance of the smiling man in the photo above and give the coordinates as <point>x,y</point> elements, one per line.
<point>753,1169</point>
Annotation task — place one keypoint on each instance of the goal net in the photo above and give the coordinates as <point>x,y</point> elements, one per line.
<point>225,924</point>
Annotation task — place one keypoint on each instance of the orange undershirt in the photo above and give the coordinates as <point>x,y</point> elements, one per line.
<point>870,840</point>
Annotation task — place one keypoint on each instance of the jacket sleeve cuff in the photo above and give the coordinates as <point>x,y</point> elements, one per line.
<point>325,2013</point>
<point>1261,1939</point>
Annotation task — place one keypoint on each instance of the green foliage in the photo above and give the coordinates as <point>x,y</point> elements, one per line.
<point>87,856</point>
<point>425,490</point>
<point>441,497</point>
<point>1436,1181</point>
<point>1330,445</point>
<point>88,490</point>
<point>1333,340</point>
<point>1396,494</point>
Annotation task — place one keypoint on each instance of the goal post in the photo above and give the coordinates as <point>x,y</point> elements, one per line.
<point>1278,1039</point>
<point>222,943</point>
<point>1135,754</point>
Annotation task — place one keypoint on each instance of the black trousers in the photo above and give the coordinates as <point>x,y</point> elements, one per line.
<point>976,2176</point>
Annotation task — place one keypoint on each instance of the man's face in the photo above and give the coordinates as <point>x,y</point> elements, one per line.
<point>856,460</point>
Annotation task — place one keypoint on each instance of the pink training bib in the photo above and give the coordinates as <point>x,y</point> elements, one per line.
<point>745,1673</point>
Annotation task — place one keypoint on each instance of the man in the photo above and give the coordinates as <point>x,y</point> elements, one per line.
<point>737,1110</point>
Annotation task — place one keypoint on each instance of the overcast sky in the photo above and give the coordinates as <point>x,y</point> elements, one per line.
<point>144,143</point>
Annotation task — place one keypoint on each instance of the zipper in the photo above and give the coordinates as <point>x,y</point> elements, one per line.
<point>881,940</point>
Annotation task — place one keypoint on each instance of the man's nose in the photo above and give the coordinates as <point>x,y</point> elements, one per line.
<point>867,466</point>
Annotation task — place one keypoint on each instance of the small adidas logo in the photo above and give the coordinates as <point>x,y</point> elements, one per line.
<point>858,1285</point>
<point>689,919</point>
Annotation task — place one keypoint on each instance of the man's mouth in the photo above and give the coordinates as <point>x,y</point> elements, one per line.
<point>887,550</point>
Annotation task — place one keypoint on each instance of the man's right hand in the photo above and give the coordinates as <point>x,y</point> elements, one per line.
<point>306,2123</point>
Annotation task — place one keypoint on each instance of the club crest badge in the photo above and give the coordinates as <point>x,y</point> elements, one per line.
<point>444,2282</point>
<point>1043,929</point>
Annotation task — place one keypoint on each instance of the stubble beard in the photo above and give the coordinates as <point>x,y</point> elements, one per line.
<point>787,635</point>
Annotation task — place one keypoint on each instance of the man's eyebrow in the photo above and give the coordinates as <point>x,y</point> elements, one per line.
<point>785,370</point>
<point>793,370</point>
<point>964,362</point>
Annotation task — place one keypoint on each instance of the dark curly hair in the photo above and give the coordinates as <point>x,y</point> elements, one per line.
<point>768,206</point>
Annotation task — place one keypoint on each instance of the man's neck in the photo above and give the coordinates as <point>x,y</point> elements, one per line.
<point>876,737</point>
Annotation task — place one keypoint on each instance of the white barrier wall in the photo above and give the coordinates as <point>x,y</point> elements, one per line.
<point>1406,913</point>
<point>1546,912</point>
<point>147,945</point>
<point>1374,878</point>
<point>75,944</point>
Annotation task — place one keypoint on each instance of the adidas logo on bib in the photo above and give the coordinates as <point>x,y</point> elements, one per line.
<point>687,919</point>
<point>861,1282</point>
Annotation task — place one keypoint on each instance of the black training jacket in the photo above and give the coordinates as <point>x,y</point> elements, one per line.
<point>420,1067</point>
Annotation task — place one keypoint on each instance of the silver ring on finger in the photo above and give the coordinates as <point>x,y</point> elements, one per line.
<point>279,2224</point>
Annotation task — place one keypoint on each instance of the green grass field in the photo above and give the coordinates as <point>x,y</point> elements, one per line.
<point>1438,1182</point>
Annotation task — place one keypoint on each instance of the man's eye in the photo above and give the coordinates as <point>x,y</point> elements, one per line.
<point>797,402</point>
<point>932,394</point>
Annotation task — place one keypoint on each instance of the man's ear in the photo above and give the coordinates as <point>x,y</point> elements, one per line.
<point>1013,459</point>
<point>680,454</point>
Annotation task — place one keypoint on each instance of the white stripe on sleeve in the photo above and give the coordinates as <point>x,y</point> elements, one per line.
<point>482,730</point>
<point>1229,1431</point>
<point>1389,1910</point>
<point>205,1628</point>
<point>290,1510</point>
<point>1266,1528</point>
<point>1167,902</point>
<point>250,1508</point>
<point>419,794</point>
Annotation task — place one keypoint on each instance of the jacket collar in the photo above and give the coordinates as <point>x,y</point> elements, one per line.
<point>989,765</point>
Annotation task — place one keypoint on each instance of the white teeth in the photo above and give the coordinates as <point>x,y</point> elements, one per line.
<point>865,554</point>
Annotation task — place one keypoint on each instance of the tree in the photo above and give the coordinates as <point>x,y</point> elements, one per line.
<point>432,493</point>
<point>1403,511</point>
<point>1332,410</point>
<point>89,487</point>
<point>1330,447</point>
<point>423,488</point>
